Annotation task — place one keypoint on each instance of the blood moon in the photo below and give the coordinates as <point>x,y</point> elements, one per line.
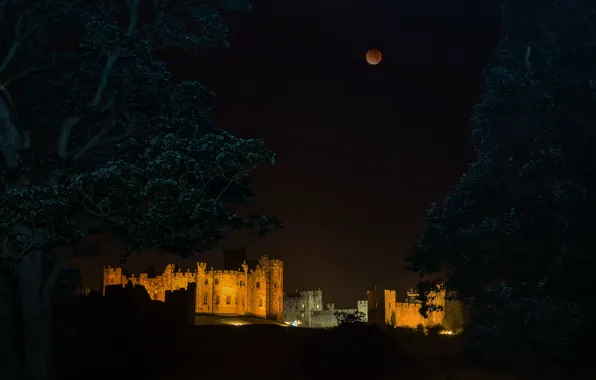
<point>374,56</point>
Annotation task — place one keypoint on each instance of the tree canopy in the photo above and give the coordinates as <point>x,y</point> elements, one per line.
<point>515,237</point>
<point>101,132</point>
<point>96,137</point>
<point>347,318</point>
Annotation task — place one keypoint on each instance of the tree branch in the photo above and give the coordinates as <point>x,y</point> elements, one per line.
<point>24,73</point>
<point>21,34</point>
<point>65,135</point>
<point>160,9</point>
<point>105,75</point>
<point>47,286</point>
<point>18,40</point>
<point>133,6</point>
<point>236,178</point>
<point>94,140</point>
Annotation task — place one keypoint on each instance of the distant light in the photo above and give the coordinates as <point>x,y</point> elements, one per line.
<point>295,323</point>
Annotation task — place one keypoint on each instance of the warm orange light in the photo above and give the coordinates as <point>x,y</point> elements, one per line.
<point>374,57</point>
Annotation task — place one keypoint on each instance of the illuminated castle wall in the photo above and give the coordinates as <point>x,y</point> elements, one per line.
<point>255,292</point>
<point>383,308</point>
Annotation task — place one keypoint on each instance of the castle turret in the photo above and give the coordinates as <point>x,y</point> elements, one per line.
<point>112,276</point>
<point>275,296</point>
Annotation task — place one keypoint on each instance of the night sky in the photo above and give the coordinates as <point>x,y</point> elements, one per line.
<point>362,150</point>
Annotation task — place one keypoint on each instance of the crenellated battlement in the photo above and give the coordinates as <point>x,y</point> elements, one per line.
<point>227,272</point>
<point>384,308</point>
<point>257,292</point>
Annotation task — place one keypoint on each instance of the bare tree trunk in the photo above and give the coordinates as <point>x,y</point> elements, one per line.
<point>36,314</point>
<point>10,342</point>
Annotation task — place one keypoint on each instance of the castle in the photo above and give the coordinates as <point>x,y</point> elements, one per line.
<point>384,309</point>
<point>305,309</point>
<point>254,292</point>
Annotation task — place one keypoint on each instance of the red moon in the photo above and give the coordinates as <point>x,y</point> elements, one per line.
<point>374,57</point>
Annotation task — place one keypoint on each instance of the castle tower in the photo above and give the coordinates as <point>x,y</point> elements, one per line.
<point>275,294</point>
<point>204,295</point>
<point>243,289</point>
<point>112,276</point>
<point>376,306</point>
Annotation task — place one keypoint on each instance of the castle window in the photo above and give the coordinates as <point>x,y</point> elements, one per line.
<point>236,300</point>
<point>241,283</point>
<point>206,281</point>
<point>228,300</point>
<point>242,300</point>
<point>205,299</point>
<point>275,284</point>
<point>258,285</point>
<point>217,300</point>
<point>217,280</point>
<point>260,300</point>
<point>389,305</point>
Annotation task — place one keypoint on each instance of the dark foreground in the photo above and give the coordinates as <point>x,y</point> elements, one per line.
<point>133,338</point>
<point>269,352</point>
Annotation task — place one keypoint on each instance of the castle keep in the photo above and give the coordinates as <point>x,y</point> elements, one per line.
<point>248,292</point>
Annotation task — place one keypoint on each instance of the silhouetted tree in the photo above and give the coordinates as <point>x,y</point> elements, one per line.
<point>515,238</point>
<point>346,318</point>
<point>393,320</point>
<point>97,137</point>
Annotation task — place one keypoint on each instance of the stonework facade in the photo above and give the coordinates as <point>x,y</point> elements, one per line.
<point>305,309</point>
<point>249,292</point>
<point>300,306</point>
<point>363,308</point>
<point>383,308</point>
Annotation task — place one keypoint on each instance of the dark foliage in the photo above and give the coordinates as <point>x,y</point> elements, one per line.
<point>515,237</point>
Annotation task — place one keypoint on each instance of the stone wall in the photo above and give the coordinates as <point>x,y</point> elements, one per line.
<point>306,308</point>
<point>383,308</point>
<point>363,308</point>
<point>292,308</point>
<point>323,319</point>
<point>257,292</point>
